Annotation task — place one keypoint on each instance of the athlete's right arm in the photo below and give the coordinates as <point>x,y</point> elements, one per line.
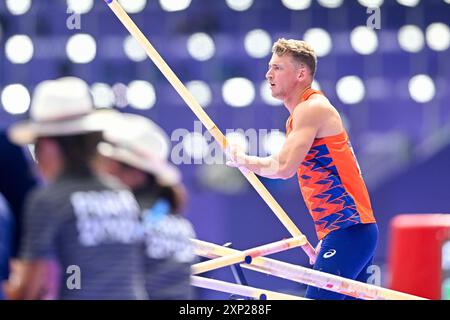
<point>307,120</point>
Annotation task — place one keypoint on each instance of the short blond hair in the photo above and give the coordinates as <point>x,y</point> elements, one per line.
<point>301,51</point>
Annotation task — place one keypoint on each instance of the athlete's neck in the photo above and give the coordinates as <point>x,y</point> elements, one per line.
<point>294,100</point>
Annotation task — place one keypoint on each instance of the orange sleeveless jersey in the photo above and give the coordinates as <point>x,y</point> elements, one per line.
<point>331,182</point>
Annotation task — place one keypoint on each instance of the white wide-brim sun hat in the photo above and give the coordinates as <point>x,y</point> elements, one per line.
<point>59,108</point>
<point>140,143</point>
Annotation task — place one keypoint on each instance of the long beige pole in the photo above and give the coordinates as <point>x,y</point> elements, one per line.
<point>246,255</point>
<point>307,276</point>
<point>206,120</point>
<point>241,290</point>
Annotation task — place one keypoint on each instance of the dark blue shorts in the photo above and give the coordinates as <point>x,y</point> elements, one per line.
<point>346,253</point>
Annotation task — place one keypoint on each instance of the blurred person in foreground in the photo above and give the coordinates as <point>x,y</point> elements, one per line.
<point>16,180</point>
<point>81,235</point>
<point>318,149</point>
<point>6,227</point>
<point>136,152</point>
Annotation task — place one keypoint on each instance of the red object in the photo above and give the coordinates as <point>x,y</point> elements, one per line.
<point>415,253</point>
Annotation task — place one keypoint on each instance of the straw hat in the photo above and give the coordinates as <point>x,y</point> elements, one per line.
<point>140,143</point>
<point>59,108</point>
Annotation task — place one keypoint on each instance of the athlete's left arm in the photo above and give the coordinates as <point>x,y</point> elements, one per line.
<point>307,120</point>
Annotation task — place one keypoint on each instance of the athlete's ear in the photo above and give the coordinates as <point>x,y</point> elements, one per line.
<point>301,72</point>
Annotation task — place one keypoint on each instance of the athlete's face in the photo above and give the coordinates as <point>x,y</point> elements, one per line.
<point>284,76</point>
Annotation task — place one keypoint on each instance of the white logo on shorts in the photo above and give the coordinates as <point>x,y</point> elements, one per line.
<point>329,253</point>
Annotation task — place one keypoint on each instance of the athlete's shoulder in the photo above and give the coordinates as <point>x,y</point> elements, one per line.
<point>317,107</point>
<point>318,100</point>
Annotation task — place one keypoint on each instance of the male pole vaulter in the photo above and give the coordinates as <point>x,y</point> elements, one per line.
<point>317,147</point>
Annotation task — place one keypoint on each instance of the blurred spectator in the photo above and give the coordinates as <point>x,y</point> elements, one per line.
<point>81,236</point>
<point>6,225</point>
<point>136,152</point>
<point>16,180</point>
